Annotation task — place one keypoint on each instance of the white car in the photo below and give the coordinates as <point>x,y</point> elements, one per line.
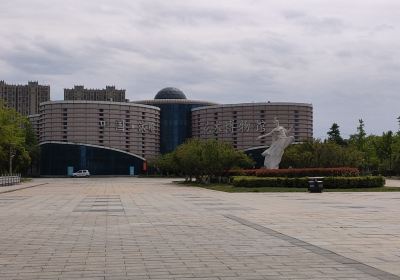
<point>81,173</point>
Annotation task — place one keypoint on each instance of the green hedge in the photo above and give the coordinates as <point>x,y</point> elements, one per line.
<point>298,172</point>
<point>354,182</point>
<point>328,182</point>
<point>258,182</point>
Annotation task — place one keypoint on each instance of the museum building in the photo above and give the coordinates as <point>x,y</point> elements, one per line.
<point>106,138</point>
<point>175,116</point>
<point>118,138</point>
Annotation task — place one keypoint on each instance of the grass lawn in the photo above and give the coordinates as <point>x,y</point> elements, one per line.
<point>232,189</point>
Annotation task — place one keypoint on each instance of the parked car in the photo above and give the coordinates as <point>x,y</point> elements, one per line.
<point>81,173</point>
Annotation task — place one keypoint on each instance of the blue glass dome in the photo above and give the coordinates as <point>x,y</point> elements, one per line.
<point>170,93</point>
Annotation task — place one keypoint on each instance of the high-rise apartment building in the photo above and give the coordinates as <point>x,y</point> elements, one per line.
<point>110,93</point>
<point>25,99</point>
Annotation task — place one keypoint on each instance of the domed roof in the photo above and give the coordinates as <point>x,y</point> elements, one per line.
<point>170,93</point>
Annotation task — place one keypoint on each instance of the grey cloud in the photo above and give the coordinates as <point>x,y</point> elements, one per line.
<point>165,12</point>
<point>157,52</point>
<point>338,55</point>
<point>344,54</point>
<point>294,14</point>
<point>315,24</point>
<point>45,58</point>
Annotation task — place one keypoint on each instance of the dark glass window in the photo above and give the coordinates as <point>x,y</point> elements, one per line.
<point>99,161</point>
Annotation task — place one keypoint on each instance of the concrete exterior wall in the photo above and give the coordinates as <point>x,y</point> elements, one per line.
<point>127,127</point>
<point>241,124</point>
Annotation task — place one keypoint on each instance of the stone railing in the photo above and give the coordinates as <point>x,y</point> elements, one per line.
<point>8,180</point>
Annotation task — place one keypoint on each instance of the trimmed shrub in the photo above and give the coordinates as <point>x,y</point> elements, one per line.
<point>308,172</point>
<point>258,182</point>
<point>354,182</point>
<point>302,182</point>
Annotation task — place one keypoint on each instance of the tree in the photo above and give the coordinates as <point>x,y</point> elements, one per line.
<point>17,141</point>
<point>396,154</point>
<point>165,164</point>
<point>334,135</point>
<point>358,139</point>
<point>384,150</point>
<point>205,160</point>
<point>318,154</point>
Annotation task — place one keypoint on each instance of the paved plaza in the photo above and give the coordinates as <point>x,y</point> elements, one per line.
<point>133,228</point>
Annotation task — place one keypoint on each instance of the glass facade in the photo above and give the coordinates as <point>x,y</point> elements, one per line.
<point>175,125</point>
<point>57,158</point>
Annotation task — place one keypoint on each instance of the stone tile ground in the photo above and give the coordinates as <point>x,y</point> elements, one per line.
<point>132,228</point>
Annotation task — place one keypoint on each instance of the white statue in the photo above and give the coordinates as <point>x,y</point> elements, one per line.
<point>280,141</point>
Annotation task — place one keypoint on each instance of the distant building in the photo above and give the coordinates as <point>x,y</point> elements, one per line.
<point>25,99</point>
<point>110,93</point>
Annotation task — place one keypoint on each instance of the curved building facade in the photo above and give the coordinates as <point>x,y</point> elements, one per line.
<point>100,131</point>
<point>175,116</point>
<point>241,124</point>
<point>117,138</point>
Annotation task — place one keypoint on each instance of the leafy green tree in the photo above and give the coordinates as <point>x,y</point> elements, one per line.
<point>334,135</point>
<point>204,160</point>
<point>384,151</point>
<point>396,154</point>
<point>17,141</point>
<point>165,164</point>
<point>358,139</point>
<point>320,154</point>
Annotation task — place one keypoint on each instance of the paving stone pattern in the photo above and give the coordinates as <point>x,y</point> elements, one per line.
<point>132,228</point>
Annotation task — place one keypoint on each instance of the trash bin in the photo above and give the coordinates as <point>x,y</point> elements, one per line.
<point>315,185</point>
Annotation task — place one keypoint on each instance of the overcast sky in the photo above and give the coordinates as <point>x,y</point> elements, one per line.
<point>343,56</point>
